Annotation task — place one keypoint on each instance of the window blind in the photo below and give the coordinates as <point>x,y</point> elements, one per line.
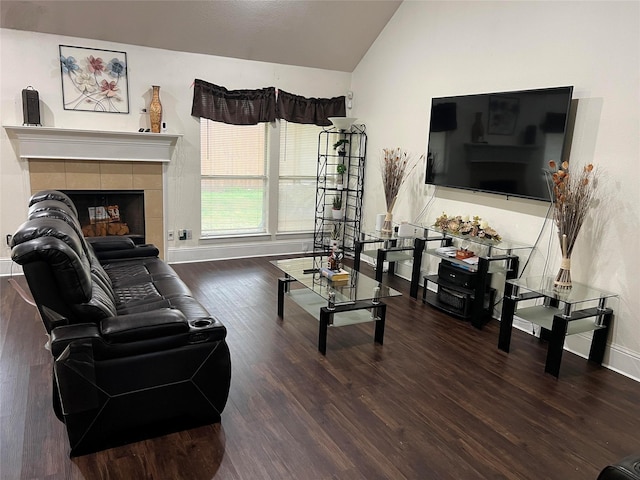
<point>297,176</point>
<point>233,178</point>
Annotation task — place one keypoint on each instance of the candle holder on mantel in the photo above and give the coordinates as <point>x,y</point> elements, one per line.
<point>155,110</point>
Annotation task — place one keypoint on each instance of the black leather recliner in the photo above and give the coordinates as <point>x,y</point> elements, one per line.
<point>134,354</point>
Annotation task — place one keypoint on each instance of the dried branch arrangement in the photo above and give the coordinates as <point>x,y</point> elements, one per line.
<point>573,194</point>
<point>396,166</point>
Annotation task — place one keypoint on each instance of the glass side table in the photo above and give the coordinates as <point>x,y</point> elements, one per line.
<point>561,314</point>
<point>393,249</point>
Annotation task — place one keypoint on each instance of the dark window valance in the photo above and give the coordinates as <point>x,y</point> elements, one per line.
<point>297,109</point>
<point>236,107</point>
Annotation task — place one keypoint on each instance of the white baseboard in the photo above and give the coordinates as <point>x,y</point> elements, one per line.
<point>231,251</point>
<point>8,267</point>
<point>203,253</point>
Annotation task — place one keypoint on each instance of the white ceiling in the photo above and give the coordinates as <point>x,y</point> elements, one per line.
<point>328,34</point>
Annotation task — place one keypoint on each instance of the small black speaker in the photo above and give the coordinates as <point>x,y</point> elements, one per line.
<point>30,106</point>
<point>444,117</point>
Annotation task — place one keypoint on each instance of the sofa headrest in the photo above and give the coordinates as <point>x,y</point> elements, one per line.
<point>55,209</point>
<point>48,256</point>
<point>48,205</point>
<point>48,227</point>
<point>53,195</point>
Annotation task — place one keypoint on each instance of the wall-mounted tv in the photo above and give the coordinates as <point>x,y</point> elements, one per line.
<point>498,142</point>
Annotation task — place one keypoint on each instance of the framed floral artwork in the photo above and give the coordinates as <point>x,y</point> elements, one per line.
<point>94,80</point>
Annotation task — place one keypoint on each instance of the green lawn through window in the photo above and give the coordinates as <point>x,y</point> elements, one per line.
<point>232,209</point>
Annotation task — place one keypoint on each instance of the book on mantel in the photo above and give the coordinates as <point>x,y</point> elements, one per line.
<point>334,275</point>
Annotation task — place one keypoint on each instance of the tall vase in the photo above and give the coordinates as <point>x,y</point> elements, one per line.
<point>387,226</point>
<point>563,279</point>
<point>155,110</point>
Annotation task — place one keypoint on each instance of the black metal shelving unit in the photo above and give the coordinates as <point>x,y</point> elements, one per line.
<point>350,187</point>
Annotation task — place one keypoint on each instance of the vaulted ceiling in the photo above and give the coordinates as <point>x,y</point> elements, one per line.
<point>328,34</point>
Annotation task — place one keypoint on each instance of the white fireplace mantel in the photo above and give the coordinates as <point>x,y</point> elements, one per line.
<point>67,144</point>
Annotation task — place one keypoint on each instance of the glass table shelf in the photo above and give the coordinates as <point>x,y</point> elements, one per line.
<point>505,246</point>
<point>357,287</point>
<point>544,285</point>
<point>542,316</point>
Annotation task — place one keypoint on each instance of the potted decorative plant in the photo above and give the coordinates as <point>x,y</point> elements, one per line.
<point>341,168</point>
<point>337,207</point>
<point>341,146</point>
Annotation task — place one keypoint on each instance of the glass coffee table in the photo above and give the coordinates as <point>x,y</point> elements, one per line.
<point>333,303</point>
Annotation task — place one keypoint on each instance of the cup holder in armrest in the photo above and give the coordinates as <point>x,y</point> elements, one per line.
<point>201,322</point>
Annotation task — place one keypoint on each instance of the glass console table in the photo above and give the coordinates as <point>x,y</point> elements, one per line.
<point>562,313</point>
<point>333,303</point>
<point>492,257</point>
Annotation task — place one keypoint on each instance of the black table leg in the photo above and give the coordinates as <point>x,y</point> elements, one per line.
<point>380,264</point>
<point>325,319</point>
<point>418,248</point>
<point>392,265</point>
<point>506,319</point>
<point>599,339</point>
<point>357,245</point>
<point>478,313</point>
<point>380,311</point>
<point>283,287</point>
<point>556,344</point>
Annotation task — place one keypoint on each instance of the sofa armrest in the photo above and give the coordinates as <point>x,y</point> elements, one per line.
<point>120,247</point>
<point>62,336</point>
<point>144,326</point>
<point>52,319</point>
<point>114,242</point>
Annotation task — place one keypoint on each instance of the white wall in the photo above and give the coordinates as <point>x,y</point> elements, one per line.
<point>440,48</point>
<point>32,59</point>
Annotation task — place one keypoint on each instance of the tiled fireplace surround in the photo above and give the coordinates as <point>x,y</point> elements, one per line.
<point>107,175</point>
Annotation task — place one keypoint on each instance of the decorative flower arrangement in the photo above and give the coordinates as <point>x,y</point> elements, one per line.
<point>396,166</point>
<point>573,195</point>
<point>474,227</point>
<point>88,84</point>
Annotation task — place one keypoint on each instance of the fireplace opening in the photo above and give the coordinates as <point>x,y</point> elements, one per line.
<point>110,212</point>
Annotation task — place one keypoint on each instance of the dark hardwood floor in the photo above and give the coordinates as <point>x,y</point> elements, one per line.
<point>437,401</point>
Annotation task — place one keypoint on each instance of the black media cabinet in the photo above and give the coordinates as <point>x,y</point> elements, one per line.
<point>464,290</point>
<point>456,291</point>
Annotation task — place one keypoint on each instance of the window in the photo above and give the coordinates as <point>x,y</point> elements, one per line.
<point>233,178</point>
<point>297,176</point>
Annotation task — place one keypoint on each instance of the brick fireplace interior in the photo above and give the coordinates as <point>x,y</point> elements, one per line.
<point>108,176</point>
<point>110,213</point>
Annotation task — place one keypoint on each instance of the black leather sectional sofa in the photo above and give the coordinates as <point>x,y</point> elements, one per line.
<point>134,354</point>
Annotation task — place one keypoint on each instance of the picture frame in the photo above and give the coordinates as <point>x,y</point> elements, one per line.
<point>503,115</point>
<point>94,80</point>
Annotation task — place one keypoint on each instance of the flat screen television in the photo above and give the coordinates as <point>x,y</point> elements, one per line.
<point>498,142</point>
